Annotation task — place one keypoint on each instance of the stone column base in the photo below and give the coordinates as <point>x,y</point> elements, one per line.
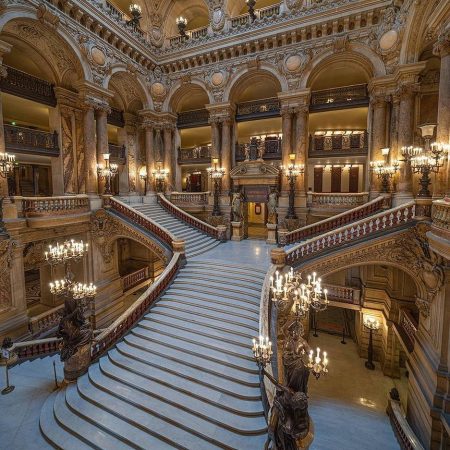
<point>423,208</point>
<point>77,364</point>
<point>237,231</point>
<point>271,233</point>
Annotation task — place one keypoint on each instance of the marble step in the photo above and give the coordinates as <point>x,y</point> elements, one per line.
<point>228,322</point>
<point>188,327</point>
<point>138,429</point>
<point>214,355</point>
<point>221,274</point>
<point>202,251</point>
<point>208,299</point>
<point>247,390</point>
<point>126,369</point>
<point>137,414</point>
<point>199,249</point>
<point>192,359</point>
<point>150,395</point>
<point>243,267</point>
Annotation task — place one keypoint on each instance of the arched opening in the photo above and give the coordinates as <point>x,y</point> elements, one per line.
<point>196,13</point>
<point>238,7</point>
<point>338,136</point>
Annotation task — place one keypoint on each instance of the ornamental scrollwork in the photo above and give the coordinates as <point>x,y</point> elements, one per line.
<point>6,254</point>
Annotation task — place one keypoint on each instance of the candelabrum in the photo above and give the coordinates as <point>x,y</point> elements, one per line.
<point>143,176</point>
<point>372,325</point>
<point>384,172</point>
<point>135,11</point>
<point>317,364</point>
<point>107,173</point>
<point>216,173</point>
<point>292,171</point>
<point>7,163</point>
<point>68,251</point>
<point>251,9</point>
<point>426,162</point>
<point>182,24</point>
<point>262,351</point>
<point>160,175</point>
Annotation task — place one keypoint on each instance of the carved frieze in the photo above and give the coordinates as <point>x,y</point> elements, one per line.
<point>6,255</point>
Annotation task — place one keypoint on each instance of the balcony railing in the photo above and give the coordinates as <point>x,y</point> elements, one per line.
<point>342,200</point>
<point>258,109</point>
<point>192,119</point>
<point>441,218</point>
<point>115,117</point>
<point>189,198</point>
<point>197,33</point>
<point>27,140</point>
<point>338,145</point>
<point>46,321</point>
<point>407,327</point>
<point>21,84</point>
<point>195,155</point>
<point>343,294</point>
<point>52,206</point>
<point>117,153</point>
<point>131,280</point>
<point>244,19</point>
<point>339,98</point>
<point>250,151</point>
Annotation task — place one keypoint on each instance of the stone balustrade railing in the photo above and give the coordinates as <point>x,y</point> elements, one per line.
<point>441,217</point>
<point>189,198</point>
<point>367,227</point>
<point>332,222</point>
<point>343,294</point>
<point>32,349</point>
<point>405,435</point>
<point>134,313</point>
<point>336,199</point>
<point>218,232</point>
<point>30,141</point>
<point>51,206</point>
<point>408,327</point>
<point>131,280</point>
<point>143,221</point>
<point>46,321</point>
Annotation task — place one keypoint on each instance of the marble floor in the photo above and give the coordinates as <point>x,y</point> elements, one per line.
<point>348,405</point>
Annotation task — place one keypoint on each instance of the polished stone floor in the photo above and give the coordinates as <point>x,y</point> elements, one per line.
<point>348,405</point>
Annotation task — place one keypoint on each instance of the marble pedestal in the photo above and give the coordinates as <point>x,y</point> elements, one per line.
<point>271,233</point>
<point>237,231</point>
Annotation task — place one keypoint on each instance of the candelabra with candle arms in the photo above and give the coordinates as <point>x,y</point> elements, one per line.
<point>107,173</point>
<point>216,173</point>
<point>292,171</point>
<point>372,325</point>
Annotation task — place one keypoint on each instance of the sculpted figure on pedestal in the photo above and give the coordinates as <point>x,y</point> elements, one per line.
<point>236,207</point>
<point>272,203</point>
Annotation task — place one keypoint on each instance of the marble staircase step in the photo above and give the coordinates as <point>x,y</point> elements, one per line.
<point>241,268</point>
<point>223,274</point>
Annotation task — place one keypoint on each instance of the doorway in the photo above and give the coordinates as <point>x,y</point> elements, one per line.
<point>256,220</point>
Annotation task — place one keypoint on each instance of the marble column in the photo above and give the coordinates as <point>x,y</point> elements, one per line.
<point>90,152</point>
<point>378,132</point>
<point>215,137</point>
<point>226,154</point>
<point>301,140</point>
<point>149,157</point>
<point>442,49</point>
<point>286,127</point>
<point>405,137</point>
<point>132,156</point>
<point>101,121</point>
<point>169,160</point>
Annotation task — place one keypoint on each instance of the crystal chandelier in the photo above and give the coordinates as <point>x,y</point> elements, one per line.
<point>7,162</point>
<point>317,364</point>
<point>69,250</point>
<point>262,351</point>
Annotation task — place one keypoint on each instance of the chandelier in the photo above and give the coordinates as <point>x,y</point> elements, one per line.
<point>62,253</point>
<point>262,351</point>
<point>317,364</point>
<point>7,162</point>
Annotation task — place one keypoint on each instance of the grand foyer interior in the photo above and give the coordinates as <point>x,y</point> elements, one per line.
<point>163,164</point>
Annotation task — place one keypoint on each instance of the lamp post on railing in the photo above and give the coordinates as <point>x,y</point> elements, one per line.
<point>384,172</point>
<point>372,325</point>
<point>251,9</point>
<point>160,174</point>
<point>182,24</point>
<point>135,11</point>
<point>143,176</point>
<point>107,173</point>
<point>292,171</point>
<point>216,174</point>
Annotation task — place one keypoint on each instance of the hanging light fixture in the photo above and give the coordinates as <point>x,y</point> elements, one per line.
<point>7,163</point>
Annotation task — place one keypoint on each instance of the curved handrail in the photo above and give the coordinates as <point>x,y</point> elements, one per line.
<point>143,221</point>
<point>390,218</point>
<point>332,222</point>
<point>33,348</point>
<point>135,312</point>
<point>215,232</point>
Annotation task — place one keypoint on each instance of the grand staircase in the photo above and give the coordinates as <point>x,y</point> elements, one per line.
<point>183,378</point>
<point>196,241</point>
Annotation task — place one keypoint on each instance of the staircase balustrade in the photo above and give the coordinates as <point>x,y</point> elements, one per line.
<point>134,313</point>
<point>441,217</point>
<point>215,232</point>
<point>46,321</point>
<point>33,349</point>
<point>408,328</point>
<point>52,206</point>
<point>333,222</point>
<point>336,199</point>
<point>382,222</point>
<point>189,198</point>
<point>139,219</point>
<point>133,279</point>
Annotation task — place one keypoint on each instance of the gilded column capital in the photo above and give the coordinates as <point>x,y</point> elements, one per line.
<point>442,46</point>
<point>287,111</point>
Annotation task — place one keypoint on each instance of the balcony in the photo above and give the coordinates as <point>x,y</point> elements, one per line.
<point>23,85</point>
<point>115,117</point>
<point>258,109</point>
<point>117,153</point>
<point>195,155</point>
<point>339,98</point>
<point>261,14</point>
<point>30,141</point>
<point>250,151</point>
<point>343,294</point>
<point>192,119</point>
<point>336,200</point>
<point>338,143</point>
<point>195,34</point>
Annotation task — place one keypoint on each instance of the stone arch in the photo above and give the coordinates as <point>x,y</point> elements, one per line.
<point>179,91</point>
<point>64,61</point>
<point>244,77</point>
<point>358,54</point>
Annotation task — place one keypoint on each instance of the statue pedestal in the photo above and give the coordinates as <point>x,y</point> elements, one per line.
<point>307,440</point>
<point>271,233</point>
<point>237,231</point>
<point>77,364</point>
